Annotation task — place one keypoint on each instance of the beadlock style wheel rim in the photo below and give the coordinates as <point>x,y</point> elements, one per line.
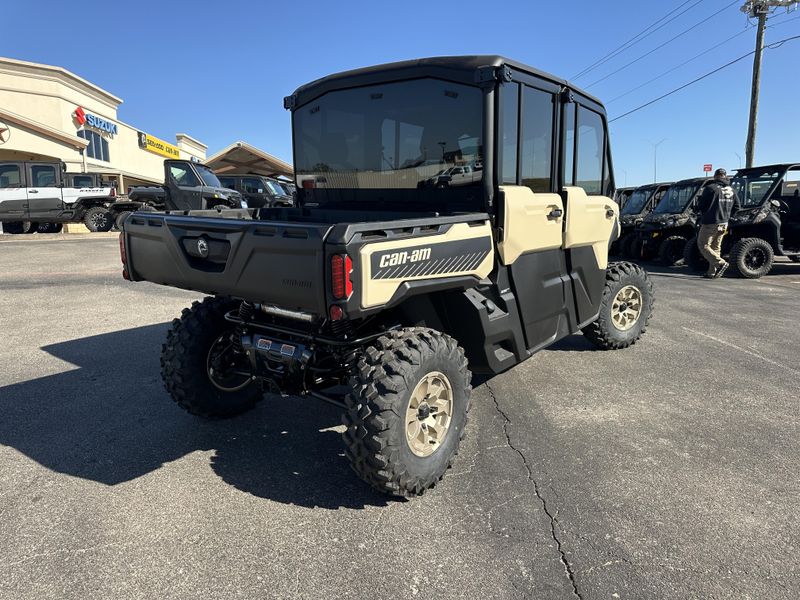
<point>755,259</point>
<point>626,308</point>
<point>429,414</point>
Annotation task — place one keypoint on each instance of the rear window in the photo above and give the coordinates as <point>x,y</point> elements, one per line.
<point>9,176</point>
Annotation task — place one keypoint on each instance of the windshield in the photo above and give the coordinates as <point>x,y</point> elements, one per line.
<point>275,188</point>
<point>390,136</point>
<point>752,186</point>
<point>636,202</point>
<point>677,198</point>
<point>208,176</point>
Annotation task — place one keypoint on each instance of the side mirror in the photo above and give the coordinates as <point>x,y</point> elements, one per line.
<point>775,203</point>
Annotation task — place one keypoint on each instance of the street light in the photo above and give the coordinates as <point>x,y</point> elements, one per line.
<point>655,159</point>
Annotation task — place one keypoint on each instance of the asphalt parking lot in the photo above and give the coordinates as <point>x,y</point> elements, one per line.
<point>667,470</point>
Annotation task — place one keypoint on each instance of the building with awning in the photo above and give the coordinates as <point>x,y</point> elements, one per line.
<point>244,159</point>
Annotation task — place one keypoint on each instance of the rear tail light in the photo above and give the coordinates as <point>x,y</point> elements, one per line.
<point>341,285</point>
<point>308,184</point>
<point>113,192</point>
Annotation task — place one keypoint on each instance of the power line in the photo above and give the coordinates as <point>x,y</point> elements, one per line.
<point>695,57</point>
<point>669,41</point>
<point>777,44</point>
<point>637,38</point>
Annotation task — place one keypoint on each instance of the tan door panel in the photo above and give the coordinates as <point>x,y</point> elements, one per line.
<point>530,222</point>
<point>590,222</point>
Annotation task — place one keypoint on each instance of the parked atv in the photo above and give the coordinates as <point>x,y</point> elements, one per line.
<point>767,225</point>
<point>393,291</point>
<point>643,200</point>
<point>664,232</point>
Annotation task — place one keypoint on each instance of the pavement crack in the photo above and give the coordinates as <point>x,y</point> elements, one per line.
<point>553,518</point>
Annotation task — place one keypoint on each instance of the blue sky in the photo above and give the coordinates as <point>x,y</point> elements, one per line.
<point>219,70</point>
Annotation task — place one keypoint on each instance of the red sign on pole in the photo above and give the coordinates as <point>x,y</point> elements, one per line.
<point>707,168</point>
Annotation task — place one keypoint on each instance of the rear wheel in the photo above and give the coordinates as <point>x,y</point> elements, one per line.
<point>752,257</point>
<point>12,227</point>
<point>626,308</point>
<point>692,257</point>
<point>670,252</point>
<point>121,219</point>
<point>202,364</point>
<point>98,218</point>
<point>29,227</point>
<point>50,227</point>
<point>407,410</point>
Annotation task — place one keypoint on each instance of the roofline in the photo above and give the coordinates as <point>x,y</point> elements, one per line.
<point>72,140</point>
<point>771,166</point>
<point>249,148</point>
<point>405,70</point>
<point>13,62</point>
<point>191,139</point>
<point>647,185</point>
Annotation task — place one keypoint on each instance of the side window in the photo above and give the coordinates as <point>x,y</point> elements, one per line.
<point>591,149</point>
<point>537,139</point>
<point>228,182</point>
<point>183,176</point>
<point>251,185</point>
<point>80,181</point>
<point>509,115</point>
<point>9,176</point>
<point>569,143</point>
<point>43,176</point>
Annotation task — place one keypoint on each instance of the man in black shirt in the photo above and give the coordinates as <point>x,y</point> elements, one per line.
<point>716,204</point>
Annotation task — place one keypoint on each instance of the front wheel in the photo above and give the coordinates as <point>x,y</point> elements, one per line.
<point>692,257</point>
<point>407,410</point>
<point>752,257</point>
<point>203,367</point>
<point>670,252</point>
<point>626,308</point>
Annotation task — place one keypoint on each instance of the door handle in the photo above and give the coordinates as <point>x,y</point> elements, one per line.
<point>33,191</point>
<point>555,214</point>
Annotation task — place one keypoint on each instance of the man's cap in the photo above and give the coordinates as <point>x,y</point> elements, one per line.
<point>720,173</point>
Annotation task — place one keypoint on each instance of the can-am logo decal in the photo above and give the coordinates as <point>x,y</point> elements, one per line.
<point>202,247</point>
<point>458,256</point>
<point>84,118</point>
<point>401,258</point>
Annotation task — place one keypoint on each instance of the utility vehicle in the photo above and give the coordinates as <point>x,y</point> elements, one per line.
<point>665,231</point>
<point>640,203</point>
<point>257,190</point>
<point>188,186</point>
<point>382,296</point>
<point>767,225</point>
<point>38,192</point>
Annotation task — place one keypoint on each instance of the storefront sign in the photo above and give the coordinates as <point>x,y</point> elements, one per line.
<point>84,118</point>
<point>157,146</point>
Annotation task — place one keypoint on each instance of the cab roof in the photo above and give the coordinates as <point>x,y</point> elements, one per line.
<point>460,68</point>
<point>773,167</point>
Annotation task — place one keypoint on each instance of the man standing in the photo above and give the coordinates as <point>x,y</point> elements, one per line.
<point>716,204</point>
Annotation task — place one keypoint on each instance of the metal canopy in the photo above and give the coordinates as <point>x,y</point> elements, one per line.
<point>241,157</point>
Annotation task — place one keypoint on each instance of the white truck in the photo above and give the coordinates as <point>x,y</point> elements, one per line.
<point>36,196</point>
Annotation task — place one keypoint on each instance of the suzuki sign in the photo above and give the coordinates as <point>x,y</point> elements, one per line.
<point>83,118</point>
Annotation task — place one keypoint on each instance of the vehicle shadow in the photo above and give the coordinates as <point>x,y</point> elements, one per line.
<point>110,421</point>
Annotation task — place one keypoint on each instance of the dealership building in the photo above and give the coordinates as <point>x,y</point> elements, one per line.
<point>49,113</point>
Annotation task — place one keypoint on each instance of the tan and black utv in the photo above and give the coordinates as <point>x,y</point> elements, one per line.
<point>453,216</point>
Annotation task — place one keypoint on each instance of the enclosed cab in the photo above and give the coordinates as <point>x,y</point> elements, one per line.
<point>640,203</point>
<point>621,196</point>
<point>664,232</point>
<point>389,287</point>
<point>258,191</point>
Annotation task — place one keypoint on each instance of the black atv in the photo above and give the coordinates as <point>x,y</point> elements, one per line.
<point>767,225</point>
<point>664,232</point>
<point>640,203</point>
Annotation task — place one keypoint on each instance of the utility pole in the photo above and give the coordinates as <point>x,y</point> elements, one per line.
<point>758,9</point>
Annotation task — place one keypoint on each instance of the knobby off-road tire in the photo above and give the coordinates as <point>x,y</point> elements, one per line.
<point>692,257</point>
<point>14,227</point>
<point>384,389</point>
<point>97,219</point>
<point>626,308</point>
<point>752,257</point>
<point>670,252</point>
<point>184,362</point>
<point>50,227</point>
<point>121,219</point>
